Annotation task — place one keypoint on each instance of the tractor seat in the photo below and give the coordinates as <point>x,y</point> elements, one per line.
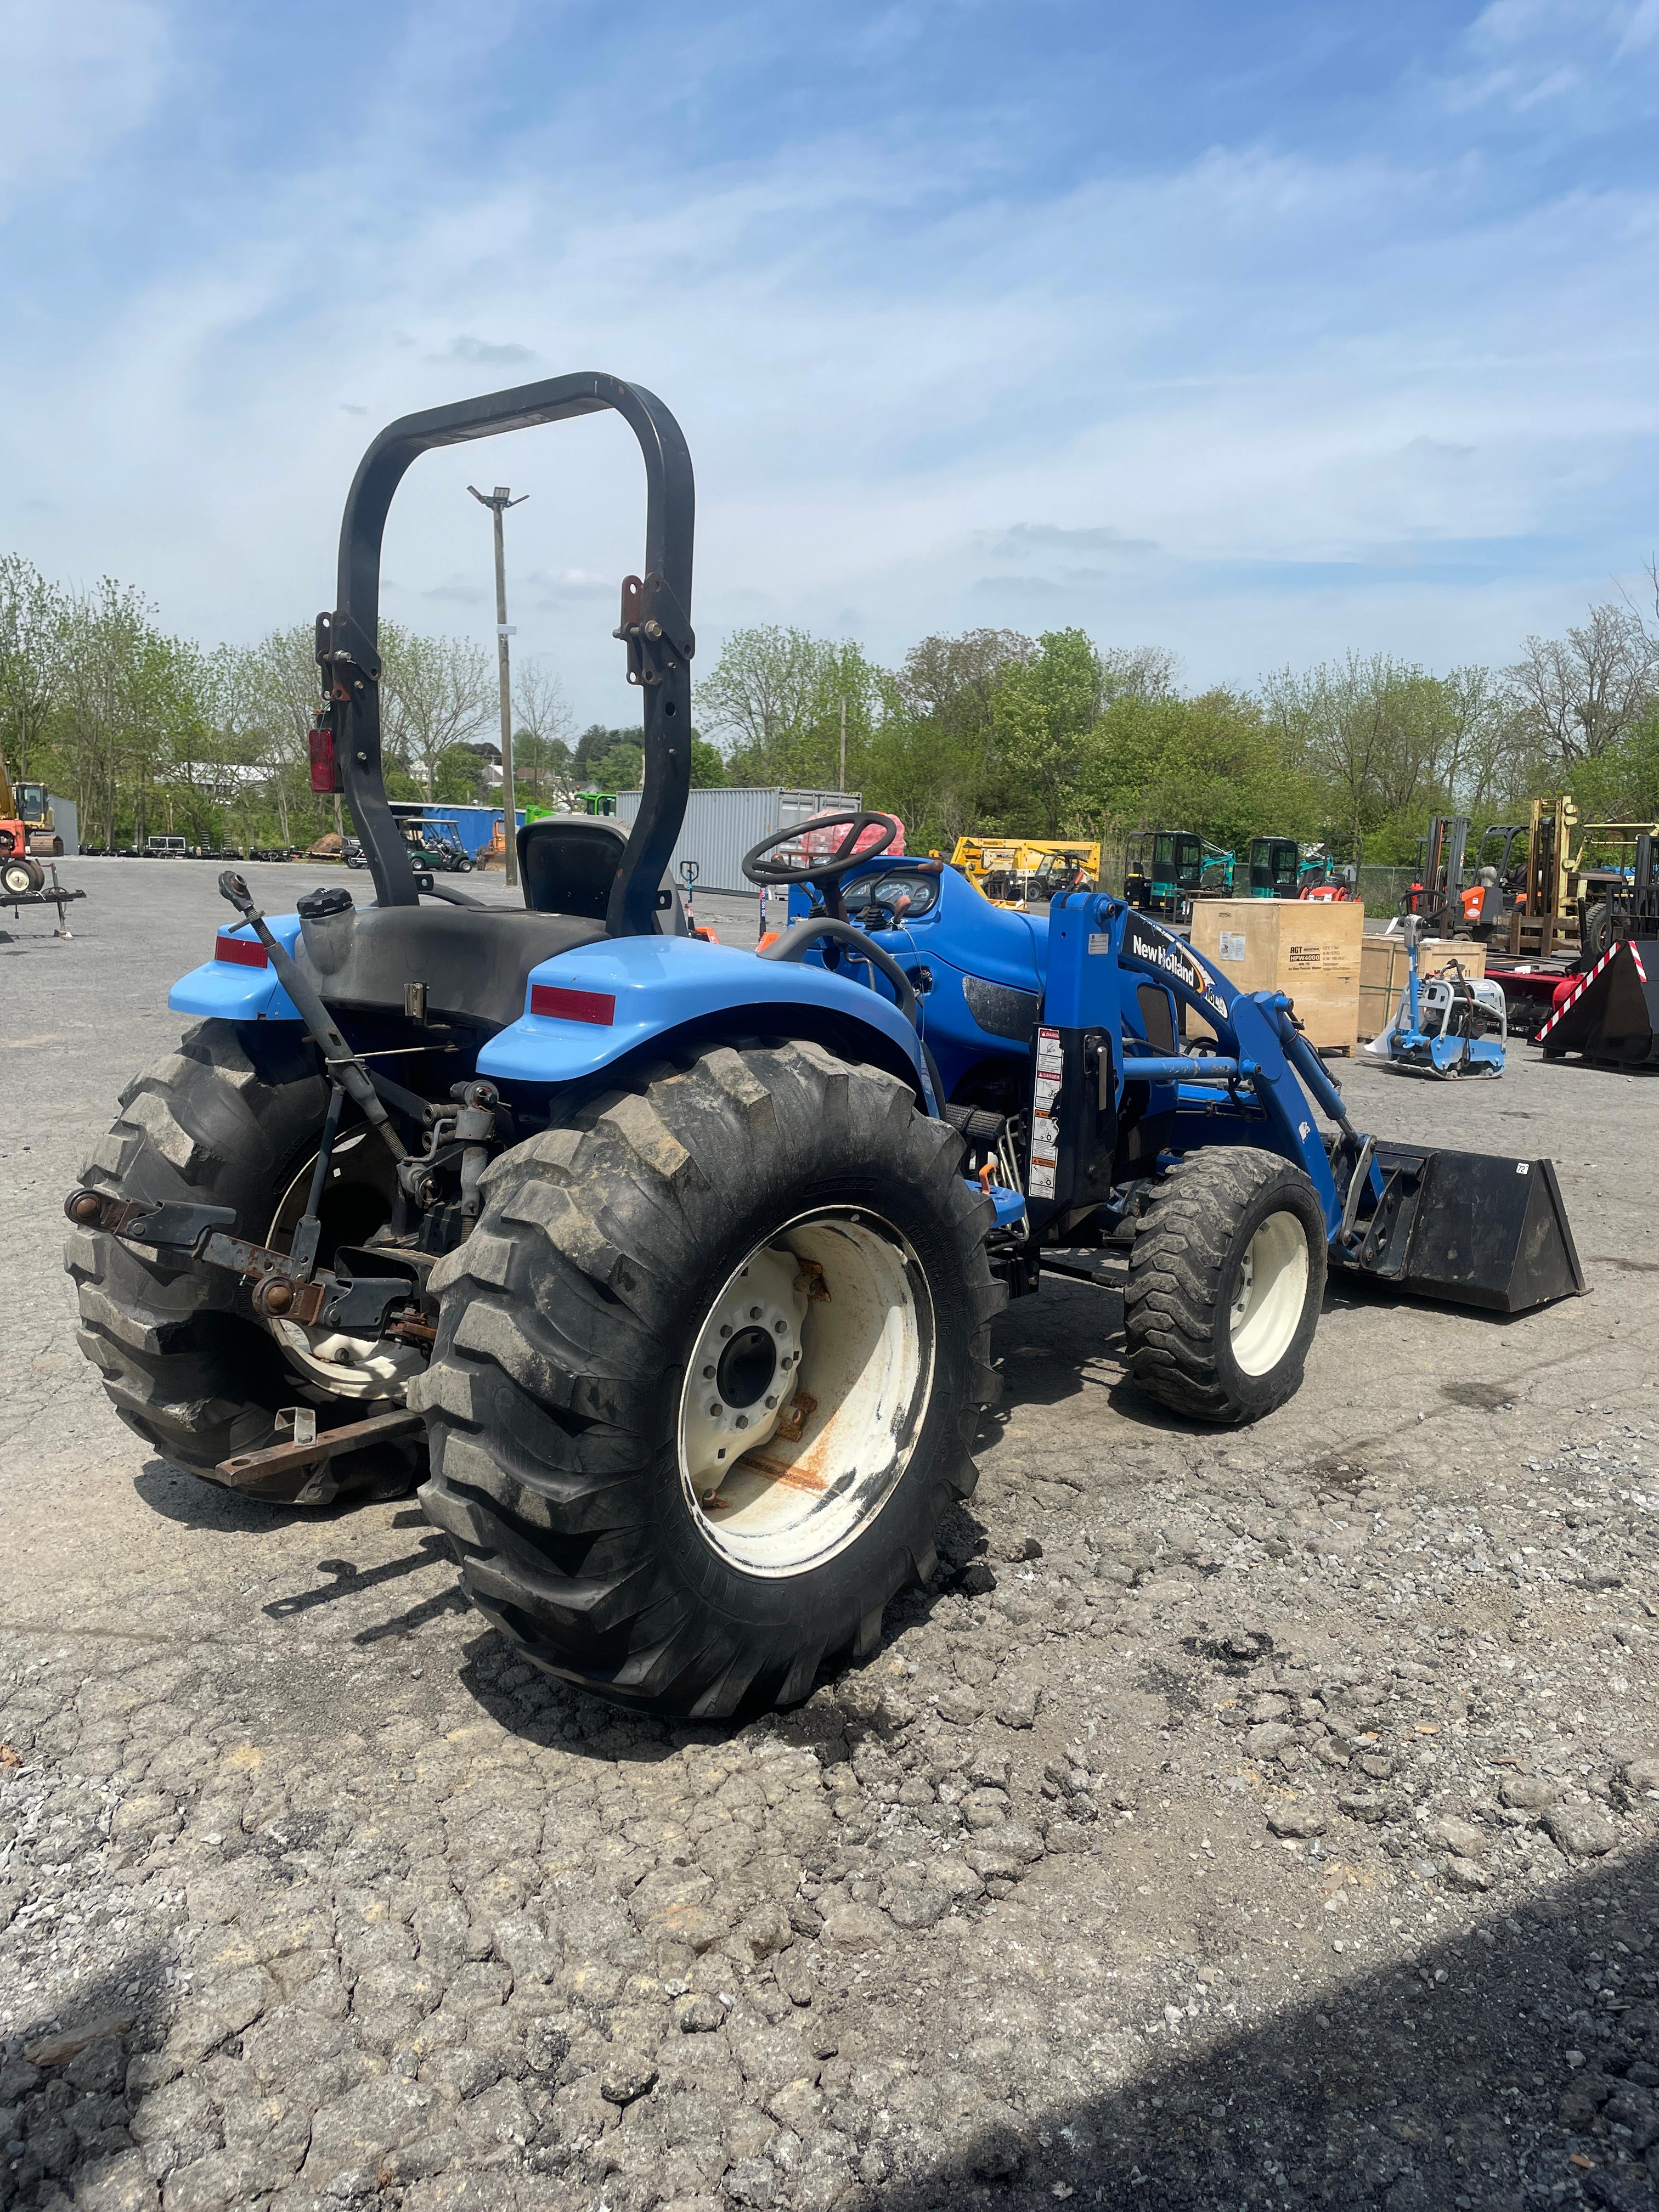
<point>568,864</point>
<point>474,962</point>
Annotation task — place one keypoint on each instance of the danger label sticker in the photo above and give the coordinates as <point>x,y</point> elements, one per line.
<point>1045,1127</point>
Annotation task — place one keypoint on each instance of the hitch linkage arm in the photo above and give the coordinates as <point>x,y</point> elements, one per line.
<point>285,1285</point>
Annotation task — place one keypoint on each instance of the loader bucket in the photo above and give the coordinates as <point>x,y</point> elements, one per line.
<point>1469,1229</point>
<point>1614,1015</point>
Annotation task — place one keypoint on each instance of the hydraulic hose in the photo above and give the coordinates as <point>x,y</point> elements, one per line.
<point>343,1064</point>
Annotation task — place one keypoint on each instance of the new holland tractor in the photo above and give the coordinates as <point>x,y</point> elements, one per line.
<point>667,1270</point>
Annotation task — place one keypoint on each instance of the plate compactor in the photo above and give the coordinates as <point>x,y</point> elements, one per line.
<point>668,1270</point>
<point>1446,1026</point>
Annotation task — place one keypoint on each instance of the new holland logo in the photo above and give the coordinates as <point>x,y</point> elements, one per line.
<point>1161,952</point>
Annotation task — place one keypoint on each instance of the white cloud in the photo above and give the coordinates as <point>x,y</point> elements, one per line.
<point>1255,407</point>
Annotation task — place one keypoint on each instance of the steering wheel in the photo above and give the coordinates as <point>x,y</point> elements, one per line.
<point>846,856</point>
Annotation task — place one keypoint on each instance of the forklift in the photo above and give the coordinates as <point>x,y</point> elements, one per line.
<point>1437,898</point>
<point>1499,879</point>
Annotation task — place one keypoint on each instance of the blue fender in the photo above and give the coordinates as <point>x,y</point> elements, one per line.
<point>240,990</point>
<point>587,1008</point>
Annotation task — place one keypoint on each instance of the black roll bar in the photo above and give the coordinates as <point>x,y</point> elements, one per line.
<point>656,624</point>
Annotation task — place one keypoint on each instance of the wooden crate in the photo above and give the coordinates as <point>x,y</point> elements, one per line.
<point>1383,967</point>
<point>1308,948</point>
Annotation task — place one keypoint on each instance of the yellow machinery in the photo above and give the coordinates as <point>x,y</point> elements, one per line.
<point>1571,867</point>
<point>1027,871</point>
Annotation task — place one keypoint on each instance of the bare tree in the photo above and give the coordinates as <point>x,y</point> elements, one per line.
<point>1139,671</point>
<point>1576,695</point>
<point>541,746</point>
<point>266,697</point>
<point>435,693</point>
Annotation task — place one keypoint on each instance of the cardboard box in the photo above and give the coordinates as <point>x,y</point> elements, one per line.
<point>1383,965</point>
<point>1310,949</point>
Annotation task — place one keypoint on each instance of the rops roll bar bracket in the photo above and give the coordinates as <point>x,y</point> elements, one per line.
<point>655,626</point>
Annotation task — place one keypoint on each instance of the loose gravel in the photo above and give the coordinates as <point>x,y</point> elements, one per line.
<point>1260,1818</point>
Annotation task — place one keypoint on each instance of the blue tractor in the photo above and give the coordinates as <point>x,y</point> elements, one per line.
<point>668,1270</point>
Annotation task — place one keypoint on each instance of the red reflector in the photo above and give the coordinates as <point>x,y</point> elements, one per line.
<point>325,768</point>
<point>599,1007</point>
<point>241,951</point>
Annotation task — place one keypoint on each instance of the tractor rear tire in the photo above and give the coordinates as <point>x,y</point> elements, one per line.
<point>579,1388</point>
<point>186,1366</point>
<point>1226,1278</point>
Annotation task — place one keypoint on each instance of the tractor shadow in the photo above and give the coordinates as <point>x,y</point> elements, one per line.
<point>1509,2064</point>
<point>1065,1345</point>
<point>193,1502</point>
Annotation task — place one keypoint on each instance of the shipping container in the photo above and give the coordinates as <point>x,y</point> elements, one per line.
<point>474,825</point>
<point>723,823</point>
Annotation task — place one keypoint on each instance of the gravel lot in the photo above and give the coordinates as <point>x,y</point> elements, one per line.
<point>1262,1818</point>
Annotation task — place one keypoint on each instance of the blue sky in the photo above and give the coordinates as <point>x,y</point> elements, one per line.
<point>1252,330</point>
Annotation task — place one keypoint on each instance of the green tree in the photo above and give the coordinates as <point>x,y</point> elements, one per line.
<point>619,768</point>
<point>34,627</point>
<point>595,741</point>
<point>786,696</point>
<point>933,756</point>
<point>1388,742</point>
<point>1213,765</point>
<point>1043,711</point>
<point>708,764</point>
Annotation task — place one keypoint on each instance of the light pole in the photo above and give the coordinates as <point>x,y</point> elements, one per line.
<point>498,501</point>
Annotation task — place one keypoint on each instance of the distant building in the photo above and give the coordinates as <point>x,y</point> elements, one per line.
<point>489,757</point>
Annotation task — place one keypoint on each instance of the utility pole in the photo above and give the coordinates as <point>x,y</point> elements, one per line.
<point>842,785</point>
<point>498,501</point>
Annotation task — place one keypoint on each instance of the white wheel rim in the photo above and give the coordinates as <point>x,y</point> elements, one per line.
<point>1270,1293</point>
<point>805,1392</point>
<point>346,1366</point>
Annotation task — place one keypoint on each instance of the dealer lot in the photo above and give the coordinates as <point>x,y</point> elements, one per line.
<point>1243,1819</point>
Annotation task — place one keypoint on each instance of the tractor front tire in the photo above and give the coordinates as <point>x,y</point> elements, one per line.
<point>186,1364</point>
<point>705,1375</point>
<point>1226,1278</point>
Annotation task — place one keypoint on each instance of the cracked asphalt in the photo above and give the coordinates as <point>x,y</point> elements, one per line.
<point>1263,1818</point>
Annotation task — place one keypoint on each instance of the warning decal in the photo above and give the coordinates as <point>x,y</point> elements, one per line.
<point>1045,1104</point>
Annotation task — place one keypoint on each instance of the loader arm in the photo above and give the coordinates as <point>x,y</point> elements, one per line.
<point>1470,1228</point>
<point>1097,948</point>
